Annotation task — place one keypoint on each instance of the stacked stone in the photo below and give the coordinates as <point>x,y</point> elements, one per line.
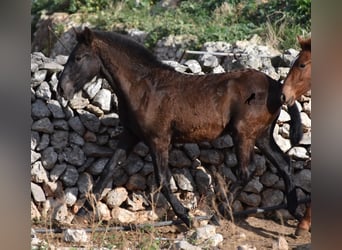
<point>72,142</point>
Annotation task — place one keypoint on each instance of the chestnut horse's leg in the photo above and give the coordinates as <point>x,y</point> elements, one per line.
<point>160,157</point>
<point>305,223</point>
<point>126,143</point>
<point>281,161</point>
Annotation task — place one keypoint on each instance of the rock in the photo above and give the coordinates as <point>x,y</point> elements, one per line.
<point>94,150</point>
<point>43,91</point>
<point>89,120</point>
<point>192,150</point>
<point>43,125</point>
<point>110,120</point>
<point>251,199</point>
<point>76,124</point>
<point>39,109</point>
<point>76,139</point>
<point>269,179</point>
<point>75,236</point>
<point>97,167</point>
<point>184,179</point>
<point>254,186</point>
<point>35,139</point>
<point>70,196</point>
<point>133,164</point>
<point>78,102</point>
<point>44,142</point>
<point>55,108</point>
<point>122,215</point>
<point>70,176</point>
<point>85,183</point>
<point>92,87</point>
<point>280,244</point>
<point>56,172</point>
<point>102,212</point>
<point>221,142</point>
<point>230,159</point>
<point>206,232</point>
<point>59,139</point>
<point>211,156</point>
<point>178,158</point>
<point>37,193</point>
<point>136,182</point>
<point>271,197</point>
<point>35,156</point>
<point>303,179</point>
<point>103,99</point>
<point>116,197</point>
<point>38,173</point>
<point>299,153</point>
<point>74,155</point>
<point>184,245</point>
<point>49,158</point>
<point>194,66</point>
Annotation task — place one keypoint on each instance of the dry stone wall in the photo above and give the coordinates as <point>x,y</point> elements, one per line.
<point>72,142</point>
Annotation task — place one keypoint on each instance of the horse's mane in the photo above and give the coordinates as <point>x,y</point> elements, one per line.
<point>131,47</point>
<point>305,44</point>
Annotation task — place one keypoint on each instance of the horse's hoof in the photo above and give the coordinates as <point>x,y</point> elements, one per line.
<point>301,231</point>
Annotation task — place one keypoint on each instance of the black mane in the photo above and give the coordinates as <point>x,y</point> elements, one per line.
<point>131,47</point>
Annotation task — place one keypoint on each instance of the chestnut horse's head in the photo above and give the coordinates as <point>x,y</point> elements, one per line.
<point>298,80</point>
<point>83,65</point>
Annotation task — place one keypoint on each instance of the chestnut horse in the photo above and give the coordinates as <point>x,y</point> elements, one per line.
<point>298,82</point>
<point>160,106</point>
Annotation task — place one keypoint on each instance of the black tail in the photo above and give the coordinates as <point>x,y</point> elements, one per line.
<point>296,131</point>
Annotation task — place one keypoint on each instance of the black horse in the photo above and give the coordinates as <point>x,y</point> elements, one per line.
<point>160,106</point>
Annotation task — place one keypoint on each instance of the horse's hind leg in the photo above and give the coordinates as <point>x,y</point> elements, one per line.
<point>126,143</point>
<point>281,161</point>
<point>160,156</point>
<point>305,224</point>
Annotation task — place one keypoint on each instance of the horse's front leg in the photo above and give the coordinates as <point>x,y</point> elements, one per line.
<point>281,161</point>
<point>125,145</point>
<point>160,156</point>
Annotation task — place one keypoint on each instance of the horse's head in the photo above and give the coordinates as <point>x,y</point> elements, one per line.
<point>298,80</point>
<point>82,65</point>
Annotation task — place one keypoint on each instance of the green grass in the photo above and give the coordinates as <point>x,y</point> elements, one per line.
<point>278,22</point>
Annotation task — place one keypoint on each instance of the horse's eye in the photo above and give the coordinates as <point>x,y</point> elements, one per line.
<point>302,65</point>
<point>78,58</point>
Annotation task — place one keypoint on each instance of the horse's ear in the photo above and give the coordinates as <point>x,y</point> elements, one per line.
<point>87,36</point>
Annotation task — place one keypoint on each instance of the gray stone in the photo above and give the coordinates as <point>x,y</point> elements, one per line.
<point>38,173</point>
<point>35,156</point>
<point>227,173</point>
<point>178,158</point>
<point>56,172</point>
<point>299,153</point>
<point>55,108</point>
<point>76,124</point>
<point>78,102</point>
<point>103,99</point>
<point>224,141</point>
<point>35,139</point>
<point>59,139</point>
<point>37,193</point>
<point>284,116</point>
<point>141,149</point>
<point>70,196</point>
<point>205,232</point>
<point>39,109</point>
<point>184,179</point>
<point>116,197</point>
<point>136,182</point>
<point>230,159</point>
<point>269,179</point>
<point>61,59</point>
<point>74,155</point>
<point>76,139</point>
<point>271,197</point>
<point>43,125</point>
<point>39,76</point>
<point>254,186</point>
<point>192,150</point>
<point>203,180</point>
<point>211,156</point>
<point>94,150</point>
<point>92,87</point>
<point>60,124</point>
<point>70,176</point>
<point>89,120</point>
<point>43,91</point>
<point>85,183</point>
<point>133,164</point>
<point>209,60</point>
<point>49,158</point>
<point>75,236</point>
<point>97,167</point>
<point>306,121</point>
<point>52,66</point>
<point>303,179</point>
<point>250,199</point>
<point>110,120</point>
<point>194,66</point>
<point>147,169</point>
<point>184,245</point>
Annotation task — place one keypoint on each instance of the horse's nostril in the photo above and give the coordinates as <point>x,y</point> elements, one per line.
<point>282,98</point>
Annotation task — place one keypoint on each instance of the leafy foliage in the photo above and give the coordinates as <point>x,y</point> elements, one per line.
<point>276,21</point>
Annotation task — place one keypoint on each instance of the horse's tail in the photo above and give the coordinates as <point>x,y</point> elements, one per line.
<point>296,131</point>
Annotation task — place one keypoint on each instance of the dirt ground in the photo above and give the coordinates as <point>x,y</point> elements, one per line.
<point>252,233</point>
